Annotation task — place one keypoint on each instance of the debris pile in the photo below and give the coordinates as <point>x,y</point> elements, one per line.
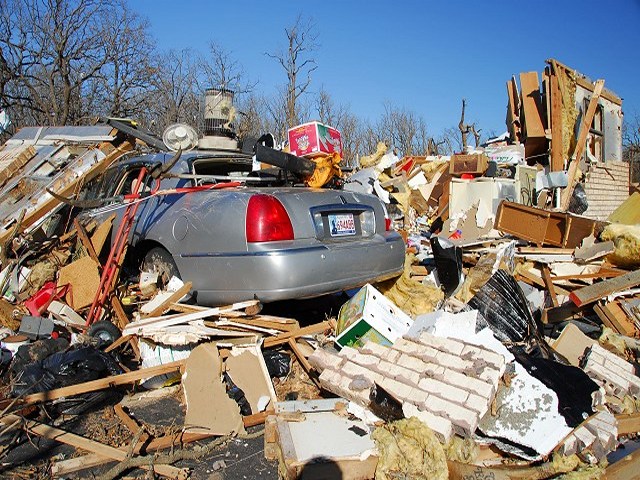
<point>508,347</point>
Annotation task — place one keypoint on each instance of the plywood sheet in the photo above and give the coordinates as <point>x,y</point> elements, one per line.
<point>209,408</point>
<point>84,280</point>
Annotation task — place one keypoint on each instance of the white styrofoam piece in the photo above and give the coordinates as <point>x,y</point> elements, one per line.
<point>326,434</point>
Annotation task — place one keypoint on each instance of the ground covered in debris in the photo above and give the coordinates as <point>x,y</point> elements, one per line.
<point>507,347</point>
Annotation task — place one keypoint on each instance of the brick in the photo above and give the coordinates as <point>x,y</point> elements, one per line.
<point>584,436</point>
<point>477,403</point>
<point>472,384</point>
<point>351,369</point>
<point>465,420</point>
<point>412,363</point>
<point>433,370</point>
<point>489,356</point>
<point>398,389</point>
<point>429,355</point>
<point>612,358</point>
<point>416,396</point>
<point>407,346</point>
<point>612,381</point>
<point>373,348</point>
<point>443,344</point>
<point>321,359</point>
<point>490,375</point>
<point>384,367</point>
<point>348,352</point>
<point>365,359</point>
<point>443,390</point>
<point>453,362</point>
<point>440,425</point>
<point>391,355</point>
<point>405,375</point>
<point>570,445</point>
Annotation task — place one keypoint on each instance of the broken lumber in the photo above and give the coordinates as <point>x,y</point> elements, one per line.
<point>77,441</point>
<point>581,144</point>
<point>614,317</point>
<point>310,330</point>
<point>605,288</point>
<point>99,384</point>
<point>628,424</point>
<point>175,296</point>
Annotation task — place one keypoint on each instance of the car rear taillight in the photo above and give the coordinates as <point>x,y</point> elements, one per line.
<point>387,224</point>
<point>267,220</point>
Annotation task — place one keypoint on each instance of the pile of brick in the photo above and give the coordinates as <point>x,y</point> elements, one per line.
<point>617,376</point>
<point>449,384</point>
<point>597,436</point>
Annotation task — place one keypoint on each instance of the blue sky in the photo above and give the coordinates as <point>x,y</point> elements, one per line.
<point>424,56</point>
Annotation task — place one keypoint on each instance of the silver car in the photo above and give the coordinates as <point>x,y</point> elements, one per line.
<point>249,235</point>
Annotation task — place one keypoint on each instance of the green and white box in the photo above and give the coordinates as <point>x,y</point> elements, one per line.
<point>369,315</point>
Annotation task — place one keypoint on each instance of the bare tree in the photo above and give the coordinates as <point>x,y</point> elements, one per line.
<point>177,90</point>
<point>58,56</point>
<point>224,72</point>
<point>298,65</point>
<point>631,144</point>
<point>404,130</point>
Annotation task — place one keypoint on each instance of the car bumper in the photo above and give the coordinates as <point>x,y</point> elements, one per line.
<point>283,274</point>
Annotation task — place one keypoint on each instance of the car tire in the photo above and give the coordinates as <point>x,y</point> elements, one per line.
<point>159,260</point>
<point>105,331</point>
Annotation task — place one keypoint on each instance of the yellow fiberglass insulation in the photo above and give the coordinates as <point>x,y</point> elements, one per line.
<point>408,448</point>
<point>411,296</point>
<point>626,239</point>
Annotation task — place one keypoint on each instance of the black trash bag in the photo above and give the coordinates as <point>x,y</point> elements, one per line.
<point>578,203</point>
<point>63,369</point>
<point>384,406</point>
<point>35,352</point>
<point>278,363</point>
<point>504,306</point>
<point>235,393</point>
<point>79,404</point>
<point>572,385</point>
<point>448,260</point>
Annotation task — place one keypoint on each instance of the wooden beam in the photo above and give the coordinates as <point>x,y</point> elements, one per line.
<point>85,240</point>
<point>614,317</point>
<point>628,424</point>
<point>100,384</point>
<point>557,161</point>
<point>534,280</point>
<point>284,337</point>
<point>581,143</point>
<point>626,468</point>
<point>595,292</point>
<point>77,441</point>
<point>546,276</point>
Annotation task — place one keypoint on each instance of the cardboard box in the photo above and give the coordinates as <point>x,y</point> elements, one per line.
<point>312,138</point>
<point>369,315</point>
<point>475,164</point>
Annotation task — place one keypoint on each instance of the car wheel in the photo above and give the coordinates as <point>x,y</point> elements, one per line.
<point>105,331</point>
<point>159,260</point>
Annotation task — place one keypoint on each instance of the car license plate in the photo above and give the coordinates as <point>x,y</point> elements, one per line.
<point>341,225</point>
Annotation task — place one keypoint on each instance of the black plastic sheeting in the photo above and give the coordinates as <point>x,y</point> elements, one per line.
<point>505,309</point>
<point>448,260</point>
<point>503,305</point>
<point>63,369</point>
<point>572,385</point>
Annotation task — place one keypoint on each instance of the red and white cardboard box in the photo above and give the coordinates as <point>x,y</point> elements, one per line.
<point>313,138</point>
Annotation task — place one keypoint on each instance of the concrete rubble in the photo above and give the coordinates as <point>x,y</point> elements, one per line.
<point>415,360</point>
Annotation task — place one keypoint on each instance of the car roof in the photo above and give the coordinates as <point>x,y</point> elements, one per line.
<point>190,156</point>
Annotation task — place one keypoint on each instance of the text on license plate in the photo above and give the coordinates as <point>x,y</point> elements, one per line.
<point>342,224</point>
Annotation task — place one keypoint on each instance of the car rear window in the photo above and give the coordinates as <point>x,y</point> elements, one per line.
<point>216,169</point>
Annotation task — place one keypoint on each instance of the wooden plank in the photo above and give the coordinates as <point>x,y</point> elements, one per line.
<point>166,321</point>
<point>581,144</point>
<point>84,239</point>
<point>628,424</point>
<point>626,468</point>
<point>310,330</point>
<point>534,280</point>
<point>166,305</point>
<point>89,445</point>
<point>19,158</point>
<point>557,162</point>
<point>101,383</point>
<point>604,288</point>
<point>546,276</point>
<point>618,318</point>
<point>531,106</point>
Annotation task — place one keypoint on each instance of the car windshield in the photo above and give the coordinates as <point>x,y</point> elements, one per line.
<point>212,170</point>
